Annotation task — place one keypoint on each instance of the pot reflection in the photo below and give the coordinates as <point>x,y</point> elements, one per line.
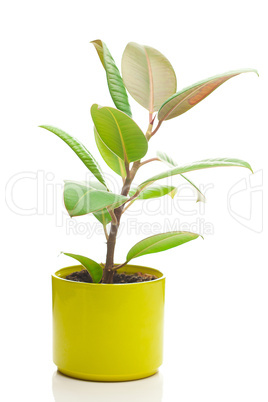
<point>67,389</point>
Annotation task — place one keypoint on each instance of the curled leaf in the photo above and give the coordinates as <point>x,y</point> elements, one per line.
<point>80,198</point>
<point>94,269</point>
<point>114,79</point>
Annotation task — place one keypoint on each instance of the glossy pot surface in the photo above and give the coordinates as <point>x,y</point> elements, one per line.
<point>104,332</point>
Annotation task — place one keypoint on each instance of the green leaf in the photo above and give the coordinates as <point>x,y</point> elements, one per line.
<point>103,216</point>
<point>173,193</point>
<point>163,157</point>
<point>160,242</point>
<point>94,269</point>
<point>114,79</point>
<point>119,133</point>
<point>148,75</point>
<point>112,160</point>
<point>80,198</point>
<point>208,163</point>
<point>171,163</point>
<point>80,151</point>
<point>200,196</point>
<point>153,192</point>
<point>185,99</point>
<point>95,185</point>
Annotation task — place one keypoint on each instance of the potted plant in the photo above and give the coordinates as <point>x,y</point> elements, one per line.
<point>108,318</point>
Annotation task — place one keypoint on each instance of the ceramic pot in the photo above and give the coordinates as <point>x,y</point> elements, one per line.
<point>108,332</point>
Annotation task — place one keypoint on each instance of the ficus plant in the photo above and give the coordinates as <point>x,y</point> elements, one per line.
<point>150,79</point>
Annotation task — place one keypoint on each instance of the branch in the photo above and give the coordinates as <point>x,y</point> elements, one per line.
<point>149,160</point>
<point>124,210</point>
<point>119,266</point>
<point>134,169</point>
<point>133,197</point>
<point>156,128</point>
<point>112,214</point>
<point>131,200</point>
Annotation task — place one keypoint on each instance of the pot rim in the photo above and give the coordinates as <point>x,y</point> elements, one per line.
<point>76,283</point>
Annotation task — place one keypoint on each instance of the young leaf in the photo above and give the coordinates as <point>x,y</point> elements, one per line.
<point>114,79</point>
<point>208,163</point>
<point>160,242</point>
<point>119,133</point>
<point>112,160</point>
<point>94,269</point>
<point>171,163</point>
<point>80,151</point>
<point>153,192</point>
<point>185,99</point>
<point>148,75</point>
<point>81,198</point>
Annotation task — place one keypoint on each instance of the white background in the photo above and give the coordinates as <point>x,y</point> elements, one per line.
<point>216,304</point>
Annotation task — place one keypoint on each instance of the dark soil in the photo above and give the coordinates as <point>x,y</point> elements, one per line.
<point>122,277</point>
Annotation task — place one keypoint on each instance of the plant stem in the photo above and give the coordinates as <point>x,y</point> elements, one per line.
<point>108,271</point>
<point>149,130</point>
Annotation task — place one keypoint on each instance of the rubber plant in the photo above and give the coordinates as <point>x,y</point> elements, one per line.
<point>150,79</point>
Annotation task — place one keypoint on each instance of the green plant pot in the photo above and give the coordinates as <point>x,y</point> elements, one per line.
<point>104,332</point>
